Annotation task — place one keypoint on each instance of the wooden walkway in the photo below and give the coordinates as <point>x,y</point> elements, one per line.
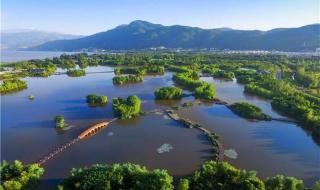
<point>86,133</point>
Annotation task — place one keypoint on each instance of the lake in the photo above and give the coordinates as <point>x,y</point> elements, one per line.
<point>28,133</point>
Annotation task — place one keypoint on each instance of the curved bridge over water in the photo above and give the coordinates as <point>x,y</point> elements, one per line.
<point>86,133</point>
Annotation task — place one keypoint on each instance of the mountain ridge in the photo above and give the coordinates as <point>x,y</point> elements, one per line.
<point>142,35</point>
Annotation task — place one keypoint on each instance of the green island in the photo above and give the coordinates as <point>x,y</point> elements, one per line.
<point>121,80</point>
<point>228,75</point>
<point>190,80</point>
<point>60,122</point>
<point>17,176</point>
<point>126,108</point>
<point>96,100</point>
<point>76,72</point>
<point>168,93</point>
<point>12,85</point>
<point>248,111</point>
<point>150,70</point>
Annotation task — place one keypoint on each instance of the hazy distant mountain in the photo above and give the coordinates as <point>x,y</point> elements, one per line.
<point>142,34</point>
<point>25,38</point>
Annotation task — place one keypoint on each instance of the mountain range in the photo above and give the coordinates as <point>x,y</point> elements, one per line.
<point>25,38</point>
<point>141,35</point>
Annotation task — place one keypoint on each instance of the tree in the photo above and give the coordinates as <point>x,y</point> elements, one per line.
<point>117,176</point>
<point>17,176</point>
<point>280,182</point>
<point>125,109</point>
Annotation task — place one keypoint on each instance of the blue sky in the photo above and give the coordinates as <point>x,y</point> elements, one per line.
<point>91,16</point>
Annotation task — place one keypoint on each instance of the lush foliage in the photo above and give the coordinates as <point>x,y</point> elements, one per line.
<point>128,108</point>
<point>59,122</point>
<point>94,99</point>
<point>248,111</point>
<point>120,80</point>
<point>280,182</point>
<point>228,75</point>
<point>116,177</point>
<point>168,93</point>
<point>190,81</point>
<point>17,176</point>
<point>223,176</point>
<point>76,72</point>
<point>12,85</point>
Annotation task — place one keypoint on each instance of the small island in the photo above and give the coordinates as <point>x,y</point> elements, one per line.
<point>168,93</point>
<point>76,72</point>
<point>121,80</point>
<point>190,81</point>
<point>125,109</point>
<point>249,111</point>
<point>60,122</point>
<point>12,85</point>
<point>95,100</point>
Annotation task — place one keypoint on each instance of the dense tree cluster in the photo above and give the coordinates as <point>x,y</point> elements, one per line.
<point>117,176</point>
<point>211,175</point>
<point>248,111</point>
<point>16,176</point>
<point>76,72</point>
<point>128,108</point>
<point>228,75</point>
<point>189,80</point>
<point>125,79</point>
<point>153,69</point>
<point>12,85</point>
<point>167,93</point>
<point>94,100</point>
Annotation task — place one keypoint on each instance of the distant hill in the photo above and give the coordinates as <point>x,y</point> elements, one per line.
<point>142,34</point>
<point>24,38</point>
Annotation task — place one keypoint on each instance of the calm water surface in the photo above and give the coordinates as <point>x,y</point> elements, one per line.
<point>28,133</point>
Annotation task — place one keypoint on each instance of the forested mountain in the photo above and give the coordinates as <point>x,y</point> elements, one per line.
<point>142,34</point>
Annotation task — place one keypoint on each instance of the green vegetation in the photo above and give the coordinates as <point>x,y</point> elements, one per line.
<point>280,182</point>
<point>228,75</point>
<point>59,122</point>
<point>117,176</point>
<point>125,109</point>
<point>76,72</point>
<point>31,97</point>
<point>95,100</point>
<point>167,93</point>
<point>17,176</point>
<point>120,80</point>
<point>190,81</point>
<point>248,111</point>
<point>12,85</point>
<point>157,70</point>
<point>223,176</point>
<point>211,175</point>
